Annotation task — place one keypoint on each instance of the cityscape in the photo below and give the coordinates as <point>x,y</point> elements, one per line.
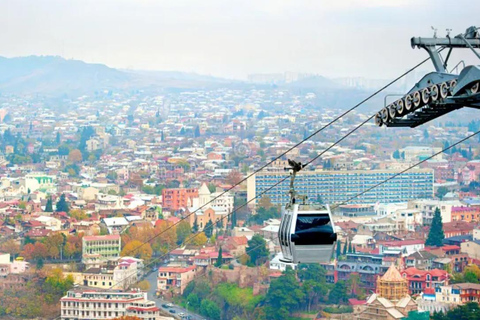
<point>251,192</point>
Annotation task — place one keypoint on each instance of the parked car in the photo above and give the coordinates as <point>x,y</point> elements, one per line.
<point>172,311</point>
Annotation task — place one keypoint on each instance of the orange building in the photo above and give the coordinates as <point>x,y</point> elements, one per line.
<point>174,199</point>
<point>467,214</point>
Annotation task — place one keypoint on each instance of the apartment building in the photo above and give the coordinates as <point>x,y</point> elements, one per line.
<point>421,280</point>
<point>339,186</point>
<point>102,305</point>
<point>459,293</point>
<point>174,199</point>
<point>175,278</point>
<point>99,249</point>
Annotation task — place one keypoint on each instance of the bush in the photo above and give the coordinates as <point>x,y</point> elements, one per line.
<point>336,310</point>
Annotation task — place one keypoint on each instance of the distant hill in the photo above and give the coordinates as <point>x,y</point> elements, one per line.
<point>315,82</point>
<point>53,75</point>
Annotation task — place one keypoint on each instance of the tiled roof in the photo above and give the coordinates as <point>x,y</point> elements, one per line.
<point>392,274</point>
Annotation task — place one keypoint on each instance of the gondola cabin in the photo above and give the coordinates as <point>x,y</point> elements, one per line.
<point>307,233</point>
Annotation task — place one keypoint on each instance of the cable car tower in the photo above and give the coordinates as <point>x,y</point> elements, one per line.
<point>306,233</point>
<point>439,92</point>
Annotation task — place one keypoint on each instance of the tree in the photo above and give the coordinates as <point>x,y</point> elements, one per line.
<point>78,214</point>
<point>338,294</point>
<point>165,236</point>
<point>58,138</point>
<point>49,205</point>
<point>219,261</point>
<point>436,235</point>
<point>54,244</point>
<point>10,246</point>
<point>193,301</point>
<point>62,205</point>
<point>143,285</point>
<point>210,309</point>
<point>265,202</point>
<point>197,239</point>
<point>441,192</point>
<point>284,296</point>
<point>350,247</point>
<point>233,178</point>
<point>75,156</point>
<point>257,250</point>
<point>345,247</point>
<point>183,231</point>
<point>208,229</point>
<point>469,311</point>
<point>339,249</point>
<point>195,226</point>
<point>138,250</point>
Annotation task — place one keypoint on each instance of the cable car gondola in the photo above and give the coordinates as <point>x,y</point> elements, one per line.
<point>307,232</point>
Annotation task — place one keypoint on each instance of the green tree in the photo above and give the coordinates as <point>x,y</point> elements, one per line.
<point>195,226</point>
<point>210,309</point>
<point>183,230</point>
<point>257,250</point>
<point>284,296</point>
<point>469,311</point>
<point>62,205</point>
<point>441,192</point>
<point>208,229</point>
<point>345,246</point>
<point>219,261</point>
<point>350,247</point>
<point>339,249</point>
<point>338,294</point>
<point>193,301</point>
<point>436,235</point>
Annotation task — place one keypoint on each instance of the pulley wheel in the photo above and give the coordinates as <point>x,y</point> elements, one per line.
<point>474,88</point>
<point>416,99</point>
<point>453,84</point>
<point>400,107</point>
<point>408,102</point>
<point>378,119</point>
<point>392,111</point>
<point>425,96</point>
<point>434,94</point>
<point>384,115</point>
<point>443,90</point>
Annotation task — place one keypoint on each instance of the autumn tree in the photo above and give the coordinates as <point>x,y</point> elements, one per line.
<point>197,239</point>
<point>54,244</point>
<point>165,236</point>
<point>10,246</point>
<point>143,285</point>
<point>265,202</point>
<point>78,214</point>
<point>183,231</point>
<point>35,251</point>
<point>75,156</point>
<point>233,178</point>
<point>138,250</point>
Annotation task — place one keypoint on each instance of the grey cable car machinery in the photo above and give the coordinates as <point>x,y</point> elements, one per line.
<point>307,232</point>
<point>439,92</point>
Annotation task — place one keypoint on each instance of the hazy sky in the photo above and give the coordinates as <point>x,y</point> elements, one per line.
<point>232,38</point>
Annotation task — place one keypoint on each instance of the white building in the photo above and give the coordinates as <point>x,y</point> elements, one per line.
<point>103,305</point>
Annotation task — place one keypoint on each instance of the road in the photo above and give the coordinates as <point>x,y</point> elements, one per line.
<point>152,278</point>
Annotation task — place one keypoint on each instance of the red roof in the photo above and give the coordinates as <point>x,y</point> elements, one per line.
<point>401,243</point>
<point>106,237</point>
<point>176,269</point>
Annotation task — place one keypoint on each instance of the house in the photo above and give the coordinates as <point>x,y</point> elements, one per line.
<point>421,280</point>
<point>174,279</point>
<point>459,293</point>
<point>421,260</point>
<point>472,248</point>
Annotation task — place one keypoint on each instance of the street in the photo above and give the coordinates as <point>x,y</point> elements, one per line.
<point>152,279</point>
